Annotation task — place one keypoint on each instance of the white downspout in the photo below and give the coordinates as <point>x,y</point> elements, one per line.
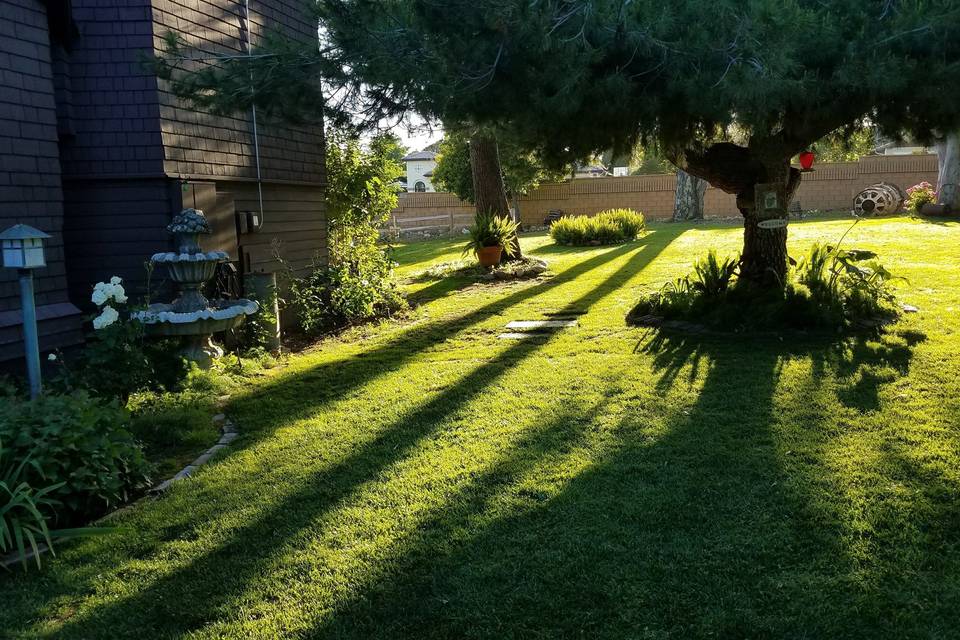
<point>256,137</point>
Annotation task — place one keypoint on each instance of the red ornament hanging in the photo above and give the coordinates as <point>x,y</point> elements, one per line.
<point>806,161</point>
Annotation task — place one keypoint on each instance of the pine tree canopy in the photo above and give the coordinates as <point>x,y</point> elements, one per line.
<point>575,77</point>
<point>730,90</point>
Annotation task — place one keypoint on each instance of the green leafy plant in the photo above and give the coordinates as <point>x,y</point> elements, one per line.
<point>612,226</point>
<point>356,286</point>
<point>491,230</point>
<point>830,287</point>
<point>22,520</point>
<point>711,276</point>
<point>116,360</point>
<point>81,444</point>
<point>852,279</point>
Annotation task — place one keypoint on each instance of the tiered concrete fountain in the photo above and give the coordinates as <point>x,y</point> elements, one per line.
<point>191,315</point>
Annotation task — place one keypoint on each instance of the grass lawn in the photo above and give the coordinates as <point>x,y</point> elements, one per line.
<point>423,479</point>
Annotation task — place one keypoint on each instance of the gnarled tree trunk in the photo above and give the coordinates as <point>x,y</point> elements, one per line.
<point>688,198</point>
<point>948,180</point>
<point>488,191</point>
<point>738,170</point>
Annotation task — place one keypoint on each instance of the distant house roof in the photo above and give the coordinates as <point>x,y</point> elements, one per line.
<point>420,155</point>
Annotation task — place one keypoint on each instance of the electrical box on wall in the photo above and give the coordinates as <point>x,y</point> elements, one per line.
<point>249,221</point>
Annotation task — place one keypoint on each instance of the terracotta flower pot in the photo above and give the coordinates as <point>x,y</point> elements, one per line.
<point>489,256</point>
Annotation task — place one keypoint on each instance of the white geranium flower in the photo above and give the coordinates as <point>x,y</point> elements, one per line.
<point>116,280</point>
<point>99,296</point>
<point>106,318</point>
<point>52,357</point>
<point>119,294</point>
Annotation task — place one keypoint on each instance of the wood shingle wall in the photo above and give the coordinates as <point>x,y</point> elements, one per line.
<point>30,190</point>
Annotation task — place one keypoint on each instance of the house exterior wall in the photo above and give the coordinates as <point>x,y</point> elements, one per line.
<point>197,144</point>
<point>831,187</point>
<point>30,190</point>
<point>137,154</point>
<point>417,171</point>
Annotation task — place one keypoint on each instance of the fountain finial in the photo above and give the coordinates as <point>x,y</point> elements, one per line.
<point>186,226</point>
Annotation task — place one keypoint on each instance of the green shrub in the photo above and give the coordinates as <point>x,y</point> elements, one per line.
<point>491,230</point>
<point>357,285</point>
<point>829,288</point>
<point>82,444</point>
<point>607,227</point>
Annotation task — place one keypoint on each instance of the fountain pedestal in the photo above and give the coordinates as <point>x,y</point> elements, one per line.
<point>191,315</point>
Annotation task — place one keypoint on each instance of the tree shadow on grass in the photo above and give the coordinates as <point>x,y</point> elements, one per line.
<point>727,523</point>
<point>644,541</point>
<point>198,593</point>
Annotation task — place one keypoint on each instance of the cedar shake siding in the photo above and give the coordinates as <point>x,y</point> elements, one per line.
<point>30,189</point>
<point>131,155</point>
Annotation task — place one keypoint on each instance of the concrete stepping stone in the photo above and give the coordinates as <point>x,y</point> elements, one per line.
<point>523,336</point>
<point>541,324</point>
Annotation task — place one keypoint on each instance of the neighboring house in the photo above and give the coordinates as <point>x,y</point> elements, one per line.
<point>891,147</point>
<point>590,171</point>
<point>96,151</point>
<point>420,166</point>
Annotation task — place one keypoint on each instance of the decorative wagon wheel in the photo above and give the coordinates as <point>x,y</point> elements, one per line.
<point>878,199</point>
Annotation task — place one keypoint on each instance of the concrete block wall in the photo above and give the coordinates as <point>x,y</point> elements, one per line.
<point>831,187</point>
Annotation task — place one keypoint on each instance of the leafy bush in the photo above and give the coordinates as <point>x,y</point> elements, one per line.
<point>829,288</point>
<point>80,443</point>
<point>607,227</point>
<point>491,230</point>
<point>919,195</point>
<point>356,286</point>
<point>851,280</point>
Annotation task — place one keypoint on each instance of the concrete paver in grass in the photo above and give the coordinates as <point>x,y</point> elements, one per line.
<point>541,324</point>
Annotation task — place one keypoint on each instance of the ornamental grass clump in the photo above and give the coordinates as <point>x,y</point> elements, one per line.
<point>612,226</point>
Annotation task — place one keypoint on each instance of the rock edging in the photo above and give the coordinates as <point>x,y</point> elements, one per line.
<point>228,433</point>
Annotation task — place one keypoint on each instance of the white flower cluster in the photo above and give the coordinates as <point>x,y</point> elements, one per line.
<point>104,292</point>
<point>106,318</point>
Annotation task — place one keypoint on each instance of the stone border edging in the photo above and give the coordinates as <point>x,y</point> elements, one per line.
<point>229,433</point>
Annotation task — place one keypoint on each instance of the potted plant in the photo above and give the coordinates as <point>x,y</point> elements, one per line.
<point>490,237</point>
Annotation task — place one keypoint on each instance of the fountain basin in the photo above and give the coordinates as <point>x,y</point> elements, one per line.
<point>196,326</point>
<point>220,315</point>
<point>190,267</point>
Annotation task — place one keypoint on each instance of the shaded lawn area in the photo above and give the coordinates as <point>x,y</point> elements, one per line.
<point>423,479</point>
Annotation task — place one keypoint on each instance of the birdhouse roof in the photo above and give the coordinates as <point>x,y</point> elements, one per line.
<point>23,232</point>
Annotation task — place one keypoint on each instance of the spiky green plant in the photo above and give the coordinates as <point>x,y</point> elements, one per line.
<point>22,521</point>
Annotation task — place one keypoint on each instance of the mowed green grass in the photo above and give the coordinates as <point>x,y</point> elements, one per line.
<point>423,479</point>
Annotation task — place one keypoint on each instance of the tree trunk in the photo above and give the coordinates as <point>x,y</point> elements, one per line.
<point>688,200</point>
<point>739,170</point>
<point>948,157</point>
<point>489,193</point>
<point>764,258</point>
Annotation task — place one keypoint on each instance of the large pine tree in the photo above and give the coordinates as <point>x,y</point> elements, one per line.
<point>575,77</point>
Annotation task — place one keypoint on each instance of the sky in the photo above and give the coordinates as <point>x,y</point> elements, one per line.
<point>414,131</point>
